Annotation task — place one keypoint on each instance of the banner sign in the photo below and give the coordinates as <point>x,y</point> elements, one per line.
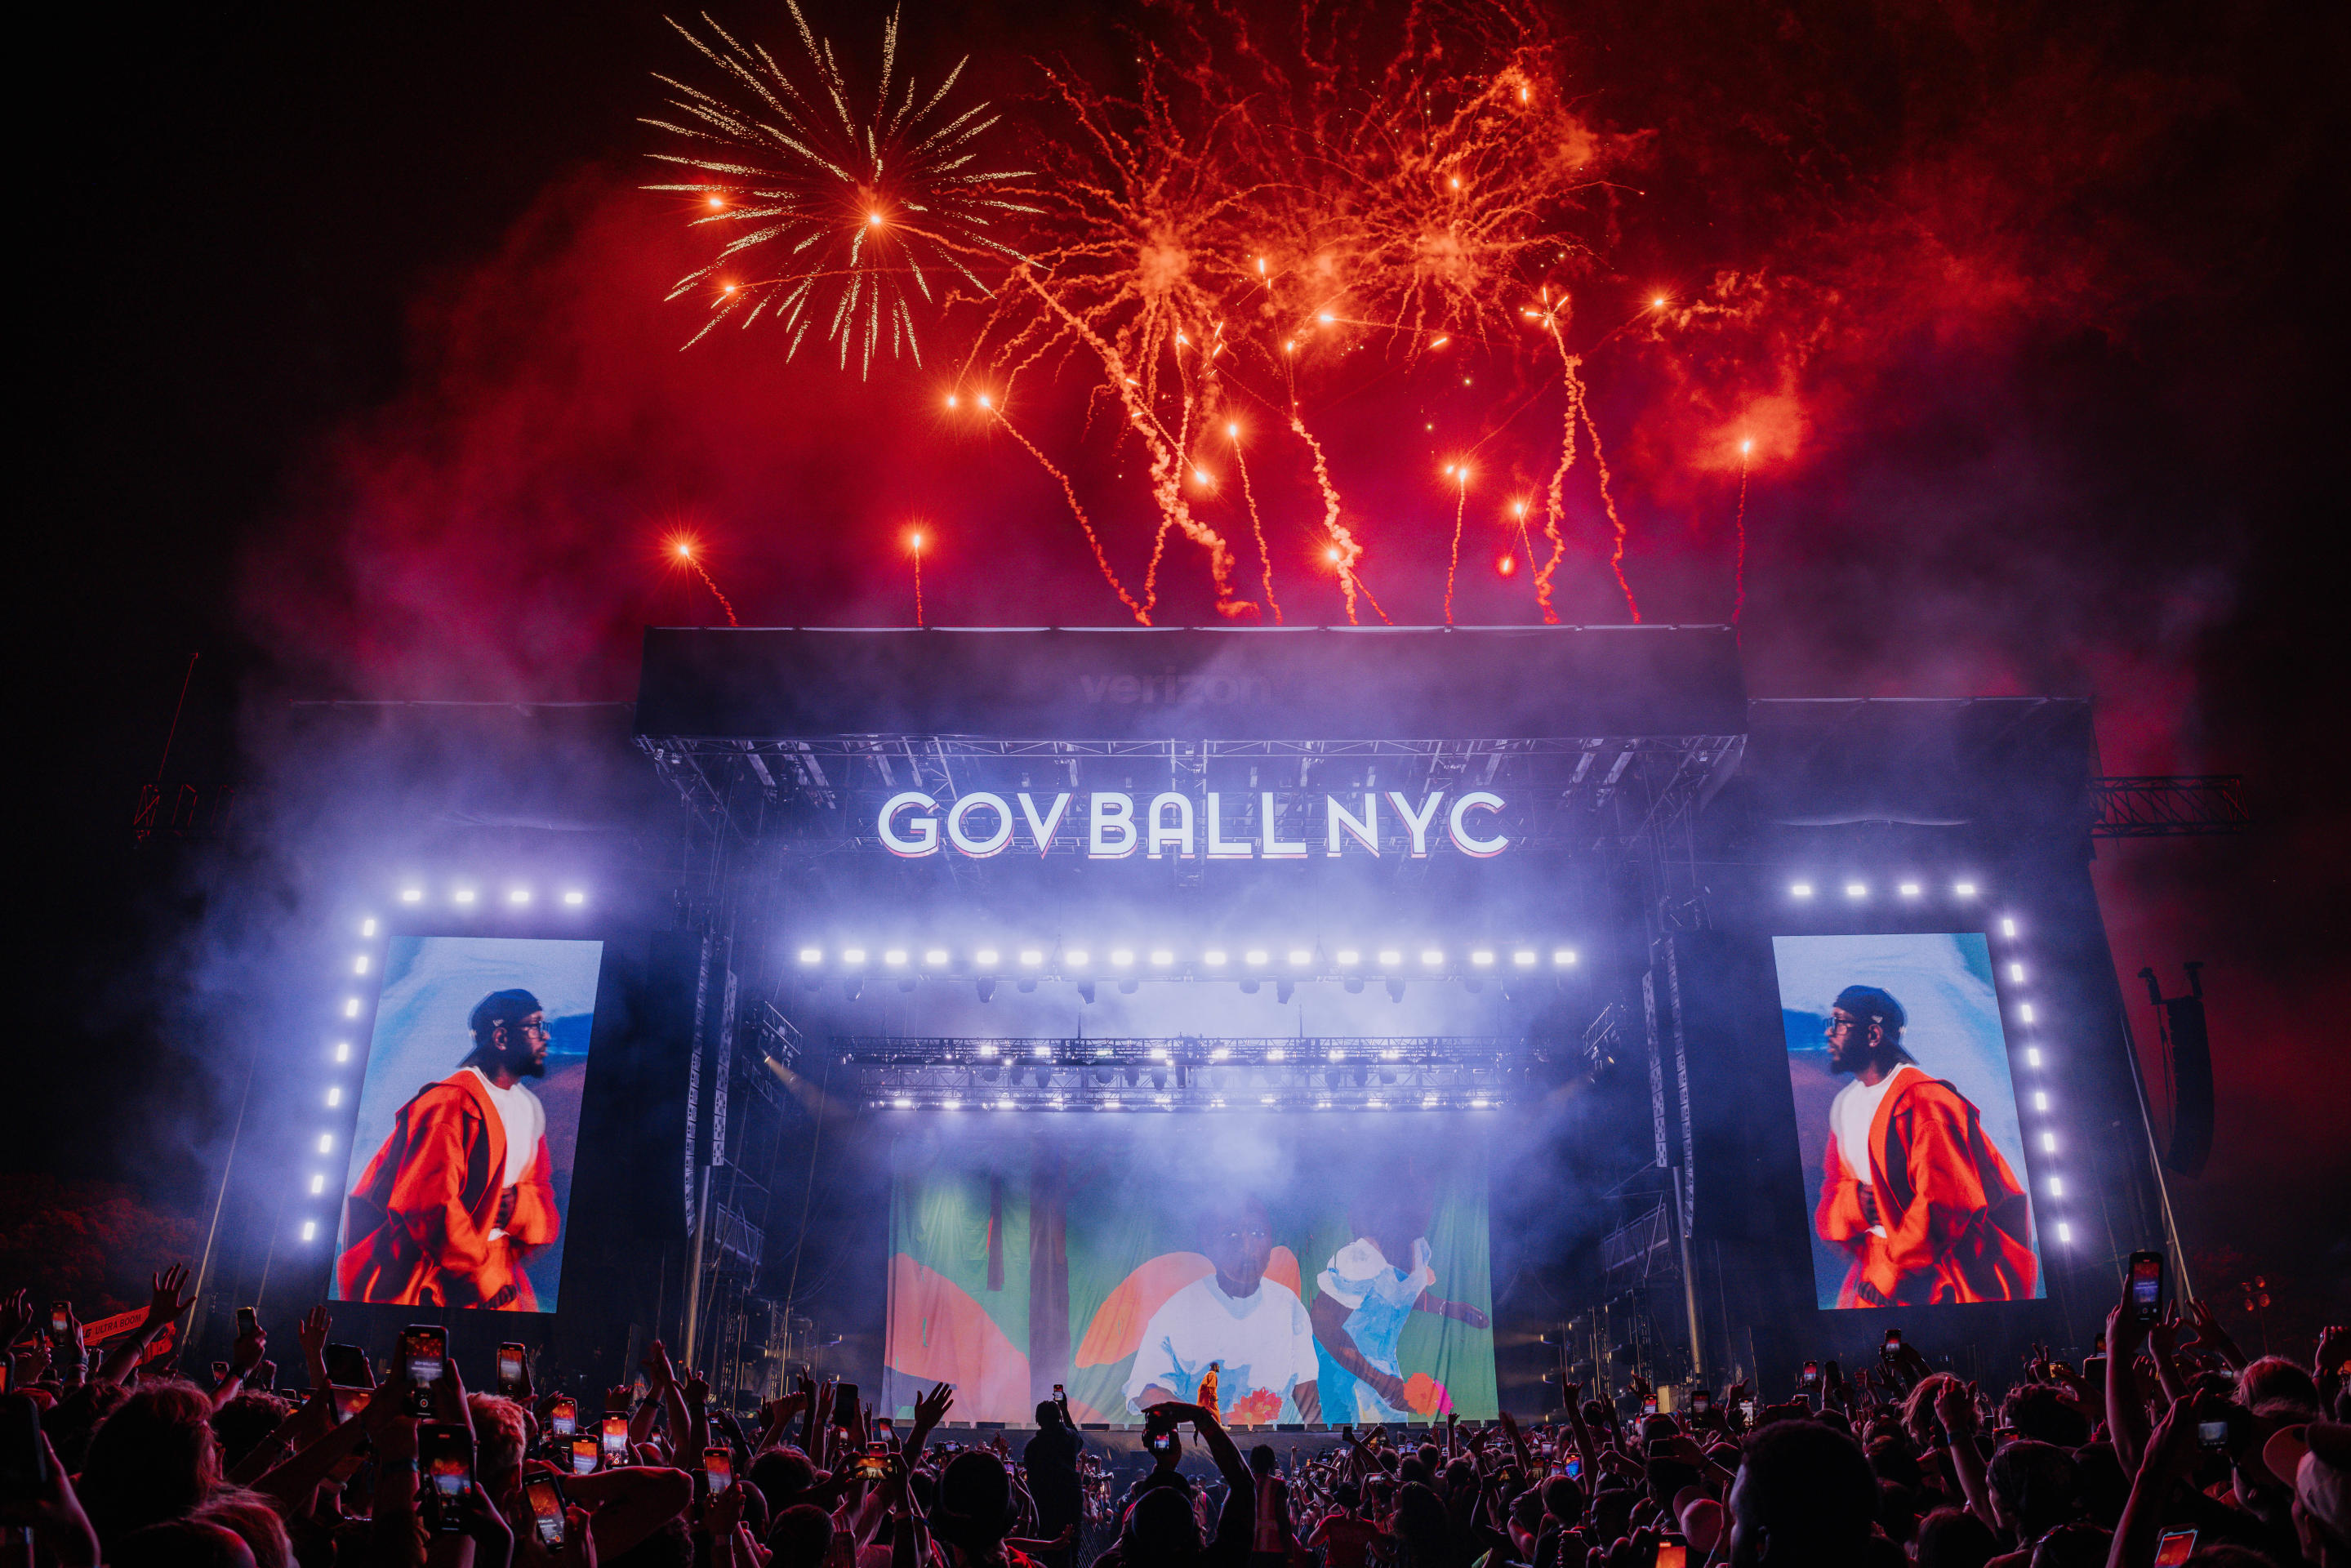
<point>1113,825</point>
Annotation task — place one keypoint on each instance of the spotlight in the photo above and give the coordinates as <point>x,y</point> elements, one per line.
<point>1964,889</point>
<point>986,958</point>
<point>2056,1186</point>
<point>1300,957</point>
<point>1396,991</point>
<point>1524,960</point>
<point>2024,1009</point>
<point>2032,1056</point>
<point>334,1095</point>
<point>1161,957</point>
<point>1214,957</point>
<point>1800,890</point>
<point>1482,958</point>
<point>2048,1143</point>
<point>367,927</point>
<point>2039,1100</point>
<point>411,895</point>
<point>359,965</point>
<point>1030,957</point>
<point>1563,957</point>
<point>936,957</point>
<point>1433,959</point>
<point>1123,956</point>
<point>342,1051</point>
<point>2064,1232</point>
<point>325,1143</point>
<point>464,896</point>
<point>1349,957</point>
<point>903,1103</point>
<point>317,1185</point>
<point>896,957</point>
<point>1856,890</point>
<point>812,955</point>
<point>519,895</point>
<point>350,1007</point>
<point>1390,957</point>
<point>1909,890</point>
<point>1277,1054</point>
<point>853,955</point>
<point>309,1230</point>
<point>2008,928</point>
<point>1075,957</point>
<point>575,896</point>
<point>1256,955</point>
<point>2016,973</point>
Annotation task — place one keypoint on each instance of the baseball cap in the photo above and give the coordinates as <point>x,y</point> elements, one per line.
<point>2316,1458</point>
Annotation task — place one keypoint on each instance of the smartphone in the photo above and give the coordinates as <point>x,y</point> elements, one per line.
<point>1894,1339</point>
<point>2174,1547</point>
<point>248,1322</point>
<point>887,1427</point>
<point>220,1372</point>
<point>1812,1373</point>
<point>349,1402</point>
<point>444,1461</point>
<point>563,1416</point>
<point>583,1456</point>
<point>2146,1286</point>
<point>1672,1554</point>
<point>545,1495</point>
<point>424,1355</point>
<point>262,1378</point>
<point>2213,1435</point>
<point>616,1439</point>
<point>2094,1370</point>
<point>1700,1402</point>
<point>2100,1347</point>
<point>346,1367</point>
<point>718,1464</point>
<point>60,1320</point>
<point>873,1465</point>
<point>1160,1442</point>
<point>844,1403</point>
<point>1747,1411</point>
<point>510,1370</point>
<point>1575,1467</point>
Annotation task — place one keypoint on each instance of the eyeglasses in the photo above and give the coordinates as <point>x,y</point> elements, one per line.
<point>1836,1025</point>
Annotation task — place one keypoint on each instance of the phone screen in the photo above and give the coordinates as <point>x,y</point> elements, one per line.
<point>349,1402</point>
<point>1812,1372</point>
<point>425,1349</point>
<point>1648,1406</point>
<point>2212,1434</point>
<point>346,1367</point>
<point>563,1418</point>
<point>1574,1468</point>
<point>718,1464</point>
<point>249,1321</point>
<point>1894,1339</point>
<point>58,1324</point>
<point>616,1437</point>
<point>2174,1547</point>
<point>1160,1442</point>
<point>444,1460</point>
<point>510,1365</point>
<point>583,1456</point>
<point>545,1509</point>
<point>1701,1402</point>
<point>2147,1285</point>
<point>1672,1554</point>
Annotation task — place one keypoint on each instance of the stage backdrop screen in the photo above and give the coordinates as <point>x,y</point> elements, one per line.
<point>1335,1271</point>
<point>460,1169</point>
<point>1907,1122</point>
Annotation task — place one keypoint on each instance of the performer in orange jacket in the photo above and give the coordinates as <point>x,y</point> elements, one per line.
<point>459,1194</point>
<point>1912,1188</point>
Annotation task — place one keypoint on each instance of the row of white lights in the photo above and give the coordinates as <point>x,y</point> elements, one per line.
<point>1213,1102</point>
<point>1165,957</point>
<point>2036,1092</point>
<point>1856,889</point>
<point>464,895</point>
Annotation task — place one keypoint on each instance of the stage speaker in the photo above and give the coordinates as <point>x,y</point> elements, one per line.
<point>2188,1051</point>
<point>1725,1072</point>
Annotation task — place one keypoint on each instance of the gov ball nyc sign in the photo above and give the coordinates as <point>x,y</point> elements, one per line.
<point>981,824</point>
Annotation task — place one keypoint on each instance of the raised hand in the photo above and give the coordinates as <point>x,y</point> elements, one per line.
<point>619,1399</point>
<point>312,1332</point>
<point>166,1303</point>
<point>2333,1348</point>
<point>932,1407</point>
<point>660,1372</point>
<point>248,1351</point>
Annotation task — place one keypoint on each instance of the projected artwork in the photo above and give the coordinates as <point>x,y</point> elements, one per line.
<point>1335,1273</point>
<point>1907,1120</point>
<point>468,1114</point>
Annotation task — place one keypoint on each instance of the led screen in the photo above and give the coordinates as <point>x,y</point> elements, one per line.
<point>1907,1120</point>
<point>1335,1271</point>
<point>460,1175</point>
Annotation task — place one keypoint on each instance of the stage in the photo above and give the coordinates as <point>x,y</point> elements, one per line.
<point>998,1006</point>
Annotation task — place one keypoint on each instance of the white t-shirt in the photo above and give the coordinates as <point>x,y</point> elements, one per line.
<point>1261,1341</point>
<point>525,1120</point>
<point>1851,1114</point>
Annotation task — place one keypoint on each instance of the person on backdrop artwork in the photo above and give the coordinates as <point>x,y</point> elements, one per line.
<point>460,1194</point>
<point>1253,1329</point>
<point>1365,1294</point>
<point>1911,1188</point>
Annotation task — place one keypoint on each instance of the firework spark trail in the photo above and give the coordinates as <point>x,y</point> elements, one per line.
<point>1555,503</point>
<point>1346,550</point>
<point>711,585</point>
<point>1739,604</point>
<point>1615,522</point>
<point>852,207</point>
<point>1255,522</point>
<point>1102,557</point>
<point>1460,510</point>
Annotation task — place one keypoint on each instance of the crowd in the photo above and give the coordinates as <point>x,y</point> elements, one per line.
<point>2173,1448</point>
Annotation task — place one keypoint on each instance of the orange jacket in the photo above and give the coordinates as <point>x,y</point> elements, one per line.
<point>419,1221</point>
<point>1958,1223</point>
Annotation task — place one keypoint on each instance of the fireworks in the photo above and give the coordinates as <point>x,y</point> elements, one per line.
<point>842,220</point>
<point>682,551</point>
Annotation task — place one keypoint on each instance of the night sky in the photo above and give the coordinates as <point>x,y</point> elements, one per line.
<point>351,370</point>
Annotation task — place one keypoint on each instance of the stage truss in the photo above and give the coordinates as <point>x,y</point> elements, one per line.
<point>1197,1072</point>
